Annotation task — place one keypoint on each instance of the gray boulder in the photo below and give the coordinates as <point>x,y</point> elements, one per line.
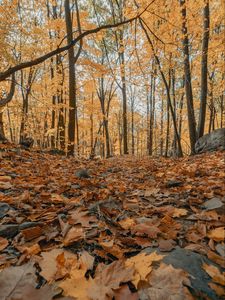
<point>211,142</point>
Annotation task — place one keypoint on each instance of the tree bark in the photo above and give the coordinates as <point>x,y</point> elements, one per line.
<point>204,69</point>
<point>72,80</point>
<point>187,76</point>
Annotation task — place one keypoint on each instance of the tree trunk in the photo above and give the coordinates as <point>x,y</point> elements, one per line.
<point>180,152</point>
<point>124,96</point>
<point>152,112</point>
<point>187,75</point>
<point>204,70</point>
<point>72,80</point>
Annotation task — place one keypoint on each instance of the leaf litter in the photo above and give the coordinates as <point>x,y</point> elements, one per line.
<point>111,234</point>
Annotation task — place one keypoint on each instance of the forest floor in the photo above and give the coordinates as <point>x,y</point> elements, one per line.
<point>122,228</point>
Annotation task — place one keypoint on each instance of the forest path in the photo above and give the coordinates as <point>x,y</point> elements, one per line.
<point>152,224</point>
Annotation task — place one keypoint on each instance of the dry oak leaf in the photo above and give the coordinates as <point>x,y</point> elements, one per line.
<point>108,278</point>
<point>53,260</point>
<point>73,235</point>
<point>82,217</point>
<point>166,245</point>
<point>150,230</point>
<point>124,293</point>
<point>86,261</point>
<point>5,185</point>
<point>220,291</point>
<point>217,234</point>
<point>179,212</point>
<point>4,178</point>
<point>3,243</point>
<point>142,265</point>
<point>215,274</point>
<point>216,258</point>
<point>18,283</point>
<point>167,283</point>
<point>127,223</point>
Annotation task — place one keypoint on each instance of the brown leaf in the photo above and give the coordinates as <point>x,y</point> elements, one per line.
<point>108,278</point>
<point>167,281</point>
<point>124,293</point>
<point>214,273</point>
<point>54,260</point>
<point>3,243</point>
<point>31,233</point>
<point>150,230</point>
<point>220,291</point>
<point>217,234</point>
<point>73,235</point>
<point>216,258</point>
<point>142,265</point>
<point>166,245</point>
<point>18,283</point>
<point>82,217</point>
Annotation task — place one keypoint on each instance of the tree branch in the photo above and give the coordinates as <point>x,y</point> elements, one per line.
<point>36,61</point>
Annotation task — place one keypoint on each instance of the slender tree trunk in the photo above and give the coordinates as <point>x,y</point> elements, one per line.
<point>180,152</point>
<point>174,108</point>
<point>124,96</point>
<point>204,69</point>
<point>168,119</point>
<point>2,132</point>
<point>92,121</point>
<point>187,76</point>
<point>221,110</point>
<point>161,127</point>
<point>72,80</point>
<point>132,125</point>
<point>25,96</point>
<point>152,112</point>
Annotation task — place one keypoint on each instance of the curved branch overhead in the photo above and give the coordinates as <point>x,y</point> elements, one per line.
<point>37,61</point>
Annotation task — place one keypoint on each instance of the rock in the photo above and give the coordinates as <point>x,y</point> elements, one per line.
<point>4,208</point>
<point>82,173</point>
<point>26,225</point>
<point>173,183</point>
<point>57,152</point>
<point>27,142</point>
<point>192,263</point>
<point>211,142</point>
<point>9,230</point>
<point>212,204</point>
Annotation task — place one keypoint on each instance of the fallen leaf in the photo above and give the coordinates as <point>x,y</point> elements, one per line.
<point>179,212</point>
<point>142,265</point>
<point>214,273</point>
<point>5,185</point>
<point>124,293</point>
<point>18,283</point>
<point>150,230</point>
<point>166,245</point>
<point>127,223</point>
<point>54,260</point>
<point>3,243</point>
<point>166,282</point>
<point>73,235</point>
<point>108,278</point>
<point>82,217</point>
<point>220,291</point>
<point>213,204</point>
<point>217,234</point>
<point>216,258</point>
